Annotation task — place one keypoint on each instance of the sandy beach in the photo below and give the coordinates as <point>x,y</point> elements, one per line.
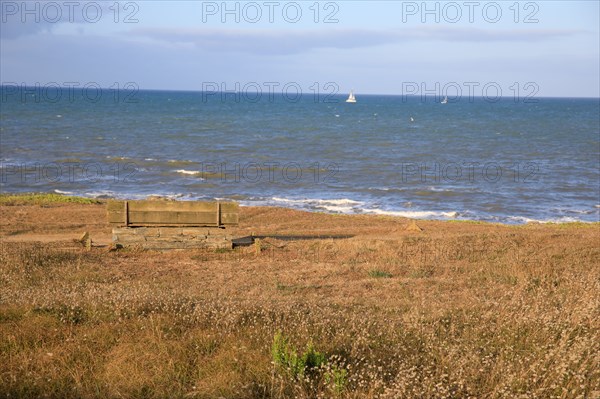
<point>459,309</point>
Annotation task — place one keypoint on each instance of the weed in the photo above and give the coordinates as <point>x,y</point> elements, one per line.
<point>337,378</point>
<point>286,358</point>
<point>376,273</point>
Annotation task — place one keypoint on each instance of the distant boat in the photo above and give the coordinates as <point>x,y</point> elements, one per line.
<point>351,98</point>
<point>445,100</point>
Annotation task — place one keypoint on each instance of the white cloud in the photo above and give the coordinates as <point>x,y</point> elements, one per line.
<point>285,42</point>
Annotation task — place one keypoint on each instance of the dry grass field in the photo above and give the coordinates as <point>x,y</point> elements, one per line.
<point>459,310</point>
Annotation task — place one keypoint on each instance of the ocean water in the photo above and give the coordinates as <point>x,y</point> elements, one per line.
<point>506,161</point>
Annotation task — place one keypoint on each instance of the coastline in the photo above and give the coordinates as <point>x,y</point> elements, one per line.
<point>50,213</point>
<point>340,207</point>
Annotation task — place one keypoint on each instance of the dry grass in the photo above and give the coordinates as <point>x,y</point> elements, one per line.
<point>460,310</point>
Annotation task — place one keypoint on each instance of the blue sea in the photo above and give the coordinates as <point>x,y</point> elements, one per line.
<point>507,161</point>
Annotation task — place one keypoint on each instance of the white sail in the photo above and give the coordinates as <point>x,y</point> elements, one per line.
<point>445,100</point>
<point>351,98</point>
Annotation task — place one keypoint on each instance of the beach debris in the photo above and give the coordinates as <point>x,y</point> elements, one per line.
<point>272,242</point>
<point>112,247</point>
<point>85,240</point>
<point>414,227</point>
<point>257,246</point>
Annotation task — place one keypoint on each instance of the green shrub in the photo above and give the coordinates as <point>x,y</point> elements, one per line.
<point>337,377</point>
<point>287,358</point>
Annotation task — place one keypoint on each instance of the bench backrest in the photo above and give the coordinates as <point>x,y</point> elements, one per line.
<point>172,213</point>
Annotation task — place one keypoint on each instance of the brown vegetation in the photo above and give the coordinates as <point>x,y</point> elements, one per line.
<point>457,310</point>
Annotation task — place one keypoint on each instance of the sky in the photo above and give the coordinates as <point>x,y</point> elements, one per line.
<point>510,48</point>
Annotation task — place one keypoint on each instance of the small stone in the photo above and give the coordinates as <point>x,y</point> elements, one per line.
<point>413,227</point>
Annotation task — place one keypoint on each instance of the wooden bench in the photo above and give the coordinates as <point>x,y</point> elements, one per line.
<point>164,225</point>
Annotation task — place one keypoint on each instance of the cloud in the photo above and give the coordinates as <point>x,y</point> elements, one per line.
<point>286,42</point>
<point>14,29</point>
<point>267,42</point>
<point>18,18</point>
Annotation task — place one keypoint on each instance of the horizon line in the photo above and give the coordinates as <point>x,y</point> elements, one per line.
<point>343,94</point>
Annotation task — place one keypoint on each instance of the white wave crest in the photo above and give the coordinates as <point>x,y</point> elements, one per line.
<point>414,214</point>
<point>188,172</point>
<point>63,192</point>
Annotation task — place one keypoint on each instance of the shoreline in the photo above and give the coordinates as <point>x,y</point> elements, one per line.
<point>54,218</point>
<point>64,197</point>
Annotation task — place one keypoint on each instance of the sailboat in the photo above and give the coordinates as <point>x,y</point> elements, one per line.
<point>445,100</point>
<point>351,98</point>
